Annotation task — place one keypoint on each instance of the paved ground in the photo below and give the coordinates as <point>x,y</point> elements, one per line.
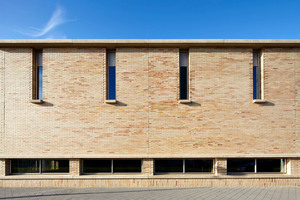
<point>215,193</point>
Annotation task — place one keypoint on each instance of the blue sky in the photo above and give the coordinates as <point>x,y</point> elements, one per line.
<point>149,19</point>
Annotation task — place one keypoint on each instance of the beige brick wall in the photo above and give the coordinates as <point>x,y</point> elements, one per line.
<point>220,166</point>
<point>74,121</point>
<point>148,167</point>
<point>4,167</point>
<point>293,166</point>
<point>157,182</point>
<point>75,167</point>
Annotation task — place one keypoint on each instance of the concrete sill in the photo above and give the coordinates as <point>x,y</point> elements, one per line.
<point>111,101</point>
<point>185,101</point>
<point>36,101</point>
<point>259,101</point>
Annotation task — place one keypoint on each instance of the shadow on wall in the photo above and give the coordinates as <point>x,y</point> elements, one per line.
<point>118,103</point>
<point>46,104</point>
<point>194,104</point>
<point>268,103</point>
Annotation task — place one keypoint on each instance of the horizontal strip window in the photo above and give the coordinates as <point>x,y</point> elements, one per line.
<point>111,166</point>
<point>183,165</point>
<point>55,166</point>
<point>20,166</point>
<point>256,165</point>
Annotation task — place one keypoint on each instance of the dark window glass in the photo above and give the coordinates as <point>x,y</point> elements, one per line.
<point>183,58</point>
<point>240,165</point>
<point>268,165</point>
<point>256,83</point>
<point>256,75</point>
<point>111,58</point>
<point>198,165</point>
<point>25,166</point>
<point>96,166</point>
<point>183,74</point>
<point>39,57</point>
<point>168,165</point>
<point>255,58</point>
<point>40,83</point>
<point>55,166</point>
<point>127,166</point>
<point>111,83</point>
<point>39,74</point>
<point>111,76</point>
<point>183,83</point>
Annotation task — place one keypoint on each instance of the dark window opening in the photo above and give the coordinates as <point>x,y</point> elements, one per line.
<point>127,166</point>
<point>240,165</point>
<point>96,166</point>
<point>256,75</point>
<point>111,166</point>
<point>39,166</point>
<point>40,83</point>
<point>55,166</point>
<point>183,83</point>
<point>183,74</point>
<point>25,166</point>
<point>38,79</point>
<point>164,166</point>
<point>269,165</point>
<point>256,165</point>
<point>111,75</point>
<point>199,165</point>
<point>111,83</point>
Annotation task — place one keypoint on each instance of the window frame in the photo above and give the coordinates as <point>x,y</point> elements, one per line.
<point>283,167</point>
<point>37,66</point>
<point>257,76</point>
<point>184,166</point>
<point>187,81</point>
<point>40,167</point>
<point>108,79</point>
<point>111,167</point>
<point>39,86</point>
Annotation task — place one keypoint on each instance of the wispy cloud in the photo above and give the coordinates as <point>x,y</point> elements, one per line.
<point>56,35</point>
<point>58,18</point>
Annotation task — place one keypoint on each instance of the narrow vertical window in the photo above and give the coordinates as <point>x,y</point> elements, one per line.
<point>111,75</point>
<point>39,74</point>
<point>183,74</point>
<point>256,75</point>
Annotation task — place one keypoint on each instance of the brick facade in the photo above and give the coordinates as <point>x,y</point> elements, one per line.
<point>148,122</point>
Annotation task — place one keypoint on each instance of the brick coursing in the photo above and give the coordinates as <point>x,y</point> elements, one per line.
<point>148,121</point>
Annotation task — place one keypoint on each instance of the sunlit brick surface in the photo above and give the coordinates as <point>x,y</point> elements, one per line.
<point>148,122</point>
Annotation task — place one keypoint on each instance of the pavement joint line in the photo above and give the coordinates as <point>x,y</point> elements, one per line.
<point>231,193</point>
<point>209,193</point>
<point>250,192</point>
<point>218,192</point>
<point>237,193</point>
<point>259,194</point>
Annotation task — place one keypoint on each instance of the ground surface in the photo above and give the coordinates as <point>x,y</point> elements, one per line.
<point>215,193</point>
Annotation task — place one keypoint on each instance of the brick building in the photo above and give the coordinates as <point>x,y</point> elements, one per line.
<point>162,113</point>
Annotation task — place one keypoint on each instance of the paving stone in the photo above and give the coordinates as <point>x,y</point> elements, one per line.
<point>215,193</point>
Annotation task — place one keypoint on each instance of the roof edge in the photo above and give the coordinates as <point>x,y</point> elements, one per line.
<point>113,43</point>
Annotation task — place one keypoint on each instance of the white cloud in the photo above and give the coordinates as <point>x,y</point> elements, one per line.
<point>56,36</point>
<point>57,18</point>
